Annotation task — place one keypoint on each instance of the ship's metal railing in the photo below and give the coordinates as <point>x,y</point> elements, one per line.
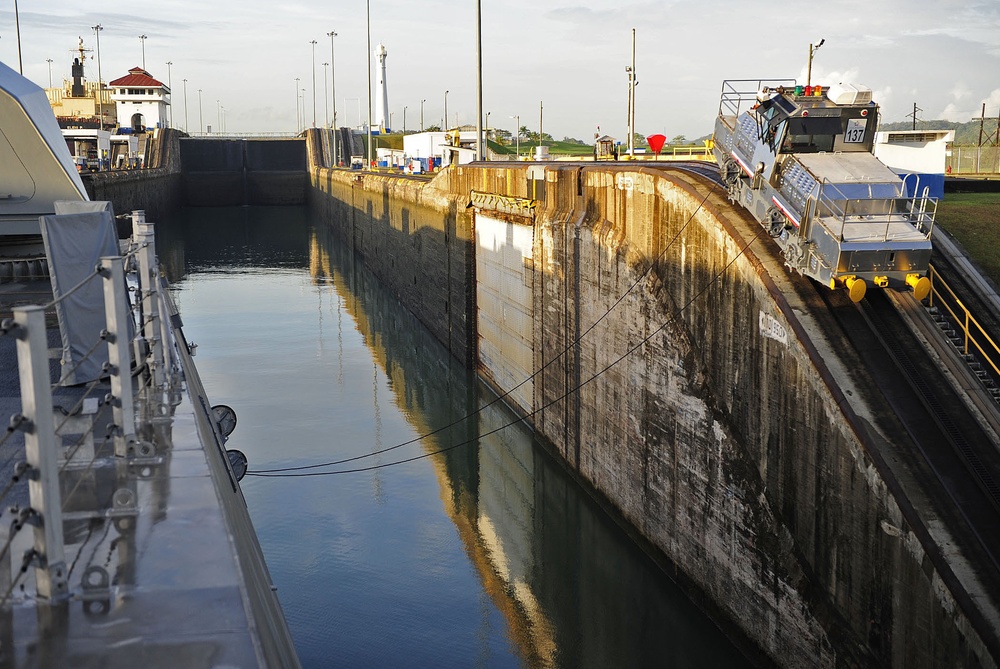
<point>62,446</point>
<point>973,335</point>
<point>878,214</point>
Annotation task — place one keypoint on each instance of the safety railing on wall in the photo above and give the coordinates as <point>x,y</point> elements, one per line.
<point>969,337</point>
<point>61,446</point>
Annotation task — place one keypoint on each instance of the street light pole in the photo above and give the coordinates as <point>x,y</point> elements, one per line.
<point>333,90</point>
<point>218,116</point>
<point>100,103</point>
<point>171,87</point>
<point>479,80</point>
<point>326,96</point>
<point>313,42</point>
<point>631,101</point>
<point>541,109</point>
<point>517,135</point>
<point>49,61</point>
<point>404,119</point>
<point>298,122</point>
<point>422,114</point>
<point>368,55</point>
<point>186,126</point>
<point>201,117</point>
<point>444,126</point>
<point>809,70</point>
<point>142,41</point>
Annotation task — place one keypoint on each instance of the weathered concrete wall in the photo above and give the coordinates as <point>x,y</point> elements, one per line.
<point>416,239</point>
<point>157,189</point>
<point>736,453</point>
<point>710,408</point>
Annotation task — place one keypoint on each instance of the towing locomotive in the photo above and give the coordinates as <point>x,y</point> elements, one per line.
<point>799,159</point>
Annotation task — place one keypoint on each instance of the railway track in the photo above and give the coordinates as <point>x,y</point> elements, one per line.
<point>952,456</point>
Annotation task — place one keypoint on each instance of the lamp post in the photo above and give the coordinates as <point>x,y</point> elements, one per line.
<point>218,116</point>
<point>313,42</point>
<point>809,68</point>
<point>631,100</point>
<point>100,105</point>
<point>479,80</point>
<point>541,109</point>
<point>171,87</point>
<point>422,115</point>
<point>142,41</point>
<point>201,117</point>
<point>49,61</point>
<point>333,90</point>
<point>326,97</point>
<point>186,126</point>
<point>371,156</point>
<point>444,126</point>
<point>517,135</point>
<point>298,123</point>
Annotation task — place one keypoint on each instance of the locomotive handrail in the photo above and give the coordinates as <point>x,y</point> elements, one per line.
<point>735,92</point>
<point>963,318</point>
<point>914,211</point>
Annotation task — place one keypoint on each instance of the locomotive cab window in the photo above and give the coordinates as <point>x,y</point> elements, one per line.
<point>811,135</point>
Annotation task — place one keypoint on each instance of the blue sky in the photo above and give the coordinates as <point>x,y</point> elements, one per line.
<point>944,56</point>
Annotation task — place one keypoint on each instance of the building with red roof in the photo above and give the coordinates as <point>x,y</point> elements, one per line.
<point>141,100</point>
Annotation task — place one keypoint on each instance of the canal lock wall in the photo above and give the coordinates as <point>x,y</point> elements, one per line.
<point>708,408</point>
<point>155,188</point>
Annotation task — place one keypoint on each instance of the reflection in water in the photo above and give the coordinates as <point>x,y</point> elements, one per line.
<point>483,554</point>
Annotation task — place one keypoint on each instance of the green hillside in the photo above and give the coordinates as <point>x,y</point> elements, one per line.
<point>966,134</point>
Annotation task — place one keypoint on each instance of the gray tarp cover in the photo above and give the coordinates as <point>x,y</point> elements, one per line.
<point>74,244</point>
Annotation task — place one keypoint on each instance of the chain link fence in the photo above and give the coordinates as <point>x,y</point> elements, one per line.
<point>973,160</point>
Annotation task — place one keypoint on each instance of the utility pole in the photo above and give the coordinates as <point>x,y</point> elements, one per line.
<point>914,115</point>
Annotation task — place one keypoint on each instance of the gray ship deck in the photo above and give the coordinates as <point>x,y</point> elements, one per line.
<point>163,566</point>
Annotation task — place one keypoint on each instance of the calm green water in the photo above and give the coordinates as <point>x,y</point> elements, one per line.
<point>485,555</point>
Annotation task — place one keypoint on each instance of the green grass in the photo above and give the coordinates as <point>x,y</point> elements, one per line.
<point>974,220</point>
<point>555,148</point>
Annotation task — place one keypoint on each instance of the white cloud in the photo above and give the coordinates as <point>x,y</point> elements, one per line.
<point>571,55</point>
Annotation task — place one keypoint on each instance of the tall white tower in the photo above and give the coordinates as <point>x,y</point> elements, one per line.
<point>381,93</point>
